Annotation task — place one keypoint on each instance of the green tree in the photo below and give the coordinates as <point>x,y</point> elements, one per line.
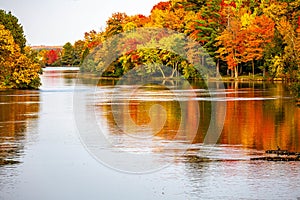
<point>207,27</point>
<point>10,22</point>
<point>193,5</point>
<point>68,54</point>
<point>78,52</point>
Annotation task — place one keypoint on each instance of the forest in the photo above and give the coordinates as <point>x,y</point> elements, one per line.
<point>252,38</point>
<point>243,37</point>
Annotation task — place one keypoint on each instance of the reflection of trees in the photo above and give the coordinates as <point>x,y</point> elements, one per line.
<point>262,124</point>
<point>16,109</point>
<point>88,79</point>
<point>69,77</point>
<point>259,124</point>
<point>139,113</point>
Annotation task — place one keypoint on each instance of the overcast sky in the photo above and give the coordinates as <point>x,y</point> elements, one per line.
<point>55,22</point>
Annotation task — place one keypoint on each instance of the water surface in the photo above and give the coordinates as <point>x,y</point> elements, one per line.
<point>42,155</point>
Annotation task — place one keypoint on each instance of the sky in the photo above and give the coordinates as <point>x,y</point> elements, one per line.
<point>55,22</point>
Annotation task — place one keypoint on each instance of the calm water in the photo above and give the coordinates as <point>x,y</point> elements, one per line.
<point>44,154</point>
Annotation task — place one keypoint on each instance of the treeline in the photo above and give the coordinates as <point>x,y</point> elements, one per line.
<point>19,67</point>
<point>242,37</point>
<point>68,55</point>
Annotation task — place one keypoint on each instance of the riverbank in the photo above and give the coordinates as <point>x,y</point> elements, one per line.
<point>256,78</point>
<point>248,79</point>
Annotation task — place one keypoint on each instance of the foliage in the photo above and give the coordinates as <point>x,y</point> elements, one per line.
<point>10,23</point>
<point>78,52</point>
<point>16,69</point>
<point>114,24</point>
<point>52,57</point>
<point>295,89</point>
<point>242,36</point>
<point>245,39</point>
<point>68,54</point>
<point>284,62</point>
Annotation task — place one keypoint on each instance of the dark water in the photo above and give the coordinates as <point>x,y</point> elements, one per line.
<point>43,153</point>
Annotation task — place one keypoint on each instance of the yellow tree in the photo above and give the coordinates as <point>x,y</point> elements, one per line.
<point>16,69</point>
<point>138,20</point>
<point>92,39</point>
<point>284,61</point>
<point>115,24</point>
<point>7,48</point>
<point>290,55</point>
<point>175,17</point>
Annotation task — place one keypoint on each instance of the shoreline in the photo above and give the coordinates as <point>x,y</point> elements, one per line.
<point>225,78</point>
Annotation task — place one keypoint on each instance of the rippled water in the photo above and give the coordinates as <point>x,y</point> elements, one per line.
<point>42,154</point>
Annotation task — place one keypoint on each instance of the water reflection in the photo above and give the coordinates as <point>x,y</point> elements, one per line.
<point>232,179</point>
<point>263,124</point>
<point>259,115</point>
<point>17,109</point>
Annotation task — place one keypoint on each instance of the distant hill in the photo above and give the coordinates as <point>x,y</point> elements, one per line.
<point>46,47</point>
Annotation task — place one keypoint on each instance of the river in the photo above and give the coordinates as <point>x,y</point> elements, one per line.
<point>50,146</point>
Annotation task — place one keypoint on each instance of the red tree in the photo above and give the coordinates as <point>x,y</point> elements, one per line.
<point>162,6</point>
<point>52,56</point>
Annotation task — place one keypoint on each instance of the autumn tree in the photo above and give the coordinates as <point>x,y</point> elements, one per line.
<point>259,32</point>
<point>11,23</point>
<point>193,5</point>
<point>171,16</point>
<point>162,6</point>
<point>231,45</point>
<point>16,69</point>
<point>136,20</point>
<point>92,39</point>
<point>114,24</point>
<point>282,57</point>
<point>245,38</point>
<point>207,26</point>
<point>51,56</point>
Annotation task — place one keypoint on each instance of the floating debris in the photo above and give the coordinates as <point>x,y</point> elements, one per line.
<point>8,162</point>
<point>279,155</point>
<point>283,152</point>
<point>277,158</point>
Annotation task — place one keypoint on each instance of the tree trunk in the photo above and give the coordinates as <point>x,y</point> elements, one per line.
<point>218,68</point>
<point>241,70</point>
<point>173,71</point>
<point>253,68</point>
<point>162,72</point>
<point>236,72</point>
